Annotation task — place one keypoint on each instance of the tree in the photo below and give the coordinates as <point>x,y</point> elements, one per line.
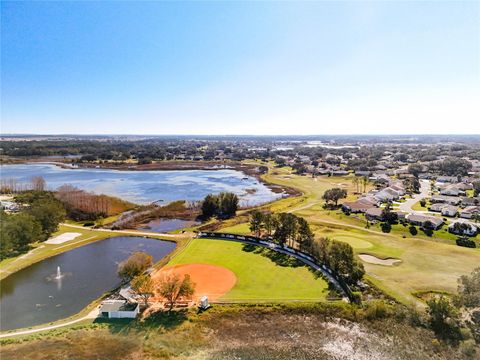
<point>209,206</point>
<point>144,286</point>
<point>333,195</point>
<point>469,290</point>
<point>415,169</point>
<point>365,182</point>
<point>270,222</point>
<point>388,215</point>
<point>49,213</point>
<point>256,222</point>
<point>135,265</point>
<point>305,235</point>
<point>223,205</point>
<point>172,288</point>
<point>18,232</point>
<point>412,185</point>
<point>228,204</point>
<point>38,183</point>
<point>476,187</point>
<point>444,319</point>
<point>356,181</point>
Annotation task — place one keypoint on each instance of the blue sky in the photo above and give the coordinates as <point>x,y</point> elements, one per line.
<point>240,67</point>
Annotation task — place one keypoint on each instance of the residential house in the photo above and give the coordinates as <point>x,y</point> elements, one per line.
<point>452,190</point>
<point>359,206</point>
<point>470,211</point>
<point>470,201</point>
<point>449,210</point>
<point>452,200</point>
<point>463,228</point>
<point>387,194</point>
<point>374,214</point>
<point>432,222</point>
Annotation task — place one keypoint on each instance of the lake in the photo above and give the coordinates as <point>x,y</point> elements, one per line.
<point>32,296</point>
<point>144,187</point>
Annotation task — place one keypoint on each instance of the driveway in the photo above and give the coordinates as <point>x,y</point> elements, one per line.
<point>424,193</point>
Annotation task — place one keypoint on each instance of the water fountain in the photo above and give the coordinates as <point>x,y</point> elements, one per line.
<point>59,274</point>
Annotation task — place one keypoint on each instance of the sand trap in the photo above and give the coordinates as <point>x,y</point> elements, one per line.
<point>60,239</point>
<point>213,281</point>
<point>377,261</point>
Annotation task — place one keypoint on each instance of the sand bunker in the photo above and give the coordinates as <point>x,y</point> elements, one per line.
<point>60,239</point>
<point>213,281</point>
<point>377,261</point>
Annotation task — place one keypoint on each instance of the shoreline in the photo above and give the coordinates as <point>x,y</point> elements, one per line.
<point>247,169</point>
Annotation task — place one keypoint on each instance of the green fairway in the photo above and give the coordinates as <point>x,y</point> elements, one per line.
<point>258,277</point>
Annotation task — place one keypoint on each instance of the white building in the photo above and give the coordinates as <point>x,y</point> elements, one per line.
<point>119,309</point>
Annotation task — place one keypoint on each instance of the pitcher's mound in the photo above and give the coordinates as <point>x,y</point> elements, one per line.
<point>213,281</point>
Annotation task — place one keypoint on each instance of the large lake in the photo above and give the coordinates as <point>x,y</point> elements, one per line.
<point>32,296</point>
<point>144,187</point>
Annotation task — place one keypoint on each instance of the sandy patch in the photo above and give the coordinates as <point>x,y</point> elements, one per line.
<point>377,261</point>
<point>213,281</point>
<point>60,239</point>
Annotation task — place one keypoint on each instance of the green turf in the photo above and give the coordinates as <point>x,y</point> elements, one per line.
<point>258,277</point>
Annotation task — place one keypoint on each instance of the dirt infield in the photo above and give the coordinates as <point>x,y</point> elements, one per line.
<point>213,281</point>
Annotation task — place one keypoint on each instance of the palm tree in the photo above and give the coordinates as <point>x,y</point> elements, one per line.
<point>364,182</point>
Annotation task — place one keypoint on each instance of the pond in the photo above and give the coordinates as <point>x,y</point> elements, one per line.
<point>34,295</point>
<point>147,186</point>
<point>166,225</point>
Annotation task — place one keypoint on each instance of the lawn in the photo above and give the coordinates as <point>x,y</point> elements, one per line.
<point>258,277</point>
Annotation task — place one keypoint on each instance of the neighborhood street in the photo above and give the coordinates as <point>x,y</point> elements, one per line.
<point>424,193</point>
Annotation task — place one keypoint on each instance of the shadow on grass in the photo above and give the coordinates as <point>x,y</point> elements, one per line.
<point>160,320</point>
<point>278,258</point>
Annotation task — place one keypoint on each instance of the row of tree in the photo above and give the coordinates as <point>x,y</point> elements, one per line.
<point>82,205</point>
<point>39,218</point>
<point>223,205</point>
<point>294,231</point>
<point>285,229</point>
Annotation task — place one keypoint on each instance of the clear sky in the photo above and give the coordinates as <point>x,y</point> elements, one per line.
<point>240,67</point>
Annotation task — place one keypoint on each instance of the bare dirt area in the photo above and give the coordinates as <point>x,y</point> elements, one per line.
<point>210,280</point>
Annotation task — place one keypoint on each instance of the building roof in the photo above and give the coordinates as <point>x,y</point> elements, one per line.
<point>423,218</point>
<point>117,305</point>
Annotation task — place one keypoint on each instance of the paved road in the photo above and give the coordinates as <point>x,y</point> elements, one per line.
<point>134,232</point>
<point>424,193</point>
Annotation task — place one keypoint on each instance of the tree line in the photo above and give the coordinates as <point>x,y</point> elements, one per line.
<point>294,231</point>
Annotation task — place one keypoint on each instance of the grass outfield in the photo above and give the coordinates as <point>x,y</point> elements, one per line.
<point>258,277</point>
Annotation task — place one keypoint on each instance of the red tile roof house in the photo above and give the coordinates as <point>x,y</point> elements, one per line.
<point>422,220</point>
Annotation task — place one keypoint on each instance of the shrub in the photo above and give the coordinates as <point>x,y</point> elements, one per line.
<point>413,230</point>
